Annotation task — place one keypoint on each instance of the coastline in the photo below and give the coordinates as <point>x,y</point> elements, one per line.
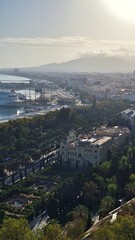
<point>35,113</point>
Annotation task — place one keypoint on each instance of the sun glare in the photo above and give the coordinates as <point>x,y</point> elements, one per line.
<point>123,9</point>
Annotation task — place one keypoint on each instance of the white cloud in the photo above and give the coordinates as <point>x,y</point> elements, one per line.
<point>84,43</point>
<point>44,41</point>
<point>35,51</point>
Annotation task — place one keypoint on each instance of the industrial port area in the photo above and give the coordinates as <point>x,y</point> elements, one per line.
<point>31,96</point>
<point>39,92</point>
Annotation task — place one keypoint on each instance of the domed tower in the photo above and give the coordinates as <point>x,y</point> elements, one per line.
<point>72,136</point>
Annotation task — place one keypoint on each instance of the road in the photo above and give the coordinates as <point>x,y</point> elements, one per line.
<point>40,164</point>
<point>40,221</point>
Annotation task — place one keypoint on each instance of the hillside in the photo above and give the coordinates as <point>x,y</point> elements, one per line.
<point>119,224</point>
<point>89,63</point>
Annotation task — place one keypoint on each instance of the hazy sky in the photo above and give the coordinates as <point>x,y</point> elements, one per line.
<point>35,32</point>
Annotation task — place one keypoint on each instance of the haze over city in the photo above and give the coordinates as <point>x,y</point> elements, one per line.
<point>37,32</point>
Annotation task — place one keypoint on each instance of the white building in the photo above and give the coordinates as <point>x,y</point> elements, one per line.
<point>94,148</point>
<point>129,96</point>
<point>129,114</point>
<point>120,135</point>
<point>82,151</point>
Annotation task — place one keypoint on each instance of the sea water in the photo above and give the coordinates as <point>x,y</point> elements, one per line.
<point>7,113</point>
<point>11,78</point>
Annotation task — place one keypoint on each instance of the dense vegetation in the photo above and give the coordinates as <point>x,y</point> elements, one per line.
<point>25,139</point>
<point>76,193</point>
<point>123,229</point>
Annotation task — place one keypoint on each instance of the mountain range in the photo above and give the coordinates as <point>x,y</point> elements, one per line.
<point>101,63</point>
<point>91,63</point>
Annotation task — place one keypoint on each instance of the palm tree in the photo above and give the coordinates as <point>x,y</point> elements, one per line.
<point>79,211</point>
<point>91,194</point>
<point>107,204</point>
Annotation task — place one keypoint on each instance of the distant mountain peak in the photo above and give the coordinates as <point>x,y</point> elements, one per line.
<point>90,63</point>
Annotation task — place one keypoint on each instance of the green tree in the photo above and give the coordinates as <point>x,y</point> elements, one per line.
<point>13,229</point>
<point>79,212</point>
<point>124,228</point>
<point>104,169</point>
<point>91,194</point>
<point>123,171</point>
<point>53,207</point>
<point>75,229</point>
<point>130,190</point>
<point>112,190</point>
<point>103,234</point>
<point>54,231</point>
<point>107,204</point>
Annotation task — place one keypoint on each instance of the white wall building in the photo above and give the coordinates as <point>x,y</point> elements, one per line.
<point>129,96</point>
<point>129,114</point>
<point>82,151</point>
<point>120,135</point>
<point>92,149</point>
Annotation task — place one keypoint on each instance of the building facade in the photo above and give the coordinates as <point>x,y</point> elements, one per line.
<point>91,149</point>
<point>83,151</point>
<point>120,135</point>
<point>129,115</point>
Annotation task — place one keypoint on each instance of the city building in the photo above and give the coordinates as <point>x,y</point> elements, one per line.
<point>93,148</point>
<point>129,114</point>
<point>130,96</point>
<point>120,135</point>
<point>81,151</point>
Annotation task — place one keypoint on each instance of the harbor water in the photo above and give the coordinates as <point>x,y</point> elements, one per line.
<point>25,109</point>
<point>15,79</point>
<point>7,113</point>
